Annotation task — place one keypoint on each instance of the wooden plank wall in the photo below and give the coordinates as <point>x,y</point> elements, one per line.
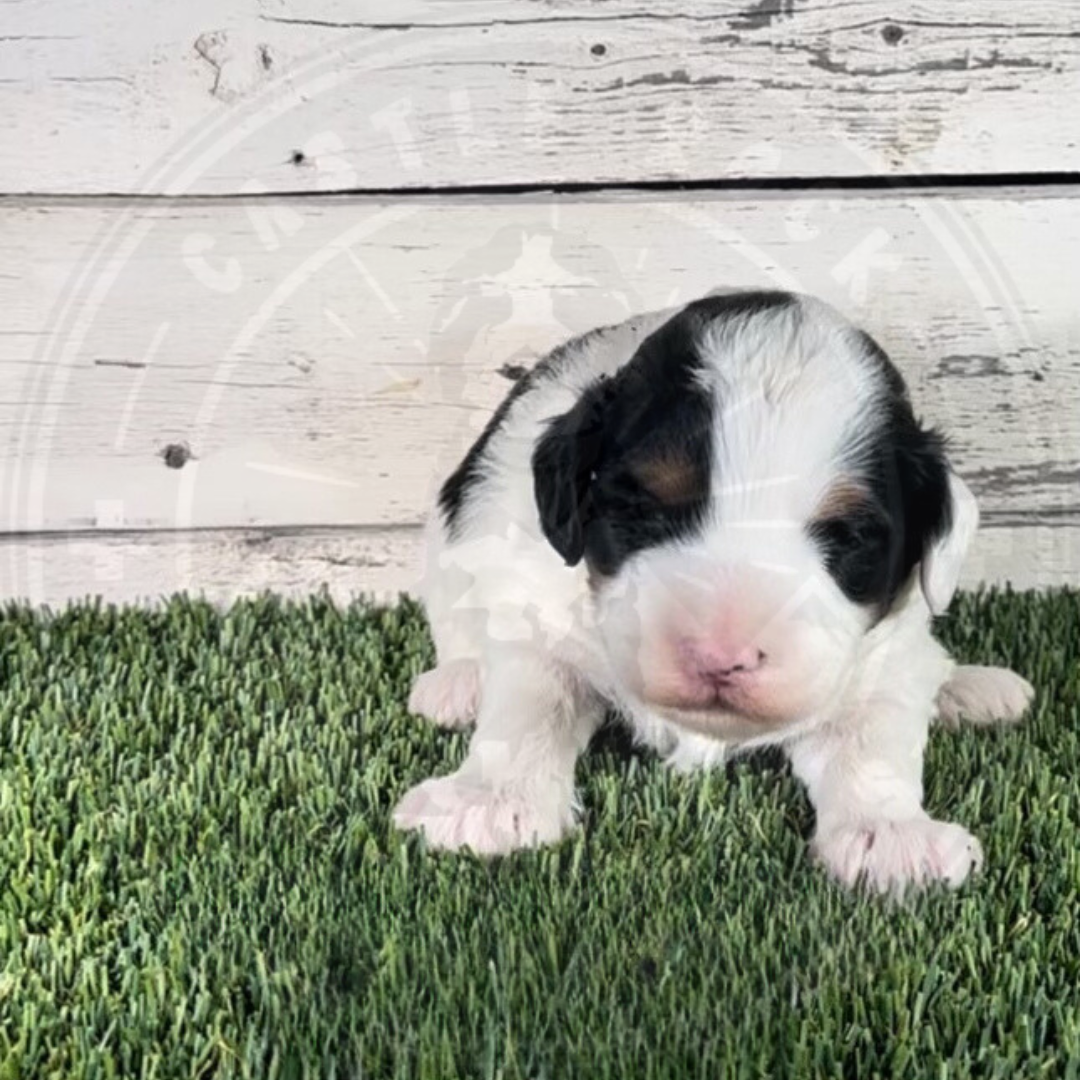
<point>267,266</point>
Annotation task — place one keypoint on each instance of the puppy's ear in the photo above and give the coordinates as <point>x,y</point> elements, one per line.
<point>940,515</point>
<point>563,463</point>
<point>942,563</point>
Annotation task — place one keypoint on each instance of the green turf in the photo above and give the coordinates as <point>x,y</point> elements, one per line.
<point>198,878</point>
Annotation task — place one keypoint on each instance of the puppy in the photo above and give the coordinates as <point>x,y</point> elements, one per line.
<point>725,523</point>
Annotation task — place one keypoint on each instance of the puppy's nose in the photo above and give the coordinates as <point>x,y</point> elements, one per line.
<point>720,662</point>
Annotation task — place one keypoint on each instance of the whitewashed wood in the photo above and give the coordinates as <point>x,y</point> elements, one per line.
<point>352,365</point>
<point>141,568</point>
<point>203,97</point>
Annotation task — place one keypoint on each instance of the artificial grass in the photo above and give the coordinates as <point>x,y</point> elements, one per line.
<point>198,877</point>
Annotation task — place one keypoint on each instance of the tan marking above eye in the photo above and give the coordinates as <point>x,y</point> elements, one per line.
<point>840,498</point>
<point>673,480</point>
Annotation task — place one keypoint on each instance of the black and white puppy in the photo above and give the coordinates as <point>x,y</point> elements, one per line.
<point>726,523</point>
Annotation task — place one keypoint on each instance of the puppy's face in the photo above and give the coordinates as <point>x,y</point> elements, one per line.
<point>751,494</point>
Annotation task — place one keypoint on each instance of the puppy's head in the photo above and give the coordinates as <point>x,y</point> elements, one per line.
<point>751,494</point>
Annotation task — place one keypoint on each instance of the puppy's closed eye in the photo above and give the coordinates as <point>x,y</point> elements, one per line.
<point>846,517</point>
<point>854,536</point>
<point>672,479</point>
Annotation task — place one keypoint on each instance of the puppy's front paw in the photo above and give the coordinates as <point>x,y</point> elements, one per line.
<point>449,694</point>
<point>983,695</point>
<point>456,812</point>
<point>889,856</point>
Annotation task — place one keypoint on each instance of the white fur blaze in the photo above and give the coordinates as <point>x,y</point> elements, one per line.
<point>891,856</point>
<point>448,695</point>
<point>983,695</point>
<point>455,812</point>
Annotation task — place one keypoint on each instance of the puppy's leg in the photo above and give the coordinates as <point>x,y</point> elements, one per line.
<point>866,785</point>
<point>516,786</point>
<point>449,694</point>
<point>983,695</point>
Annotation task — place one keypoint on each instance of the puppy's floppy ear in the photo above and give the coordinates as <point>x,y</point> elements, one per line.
<point>563,463</point>
<point>940,515</point>
<point>941,565</point>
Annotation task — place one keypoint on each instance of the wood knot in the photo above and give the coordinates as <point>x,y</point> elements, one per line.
<point>598,49</point>
<point>177,455</point>
<point>513,372</point>
<point>892,34</point>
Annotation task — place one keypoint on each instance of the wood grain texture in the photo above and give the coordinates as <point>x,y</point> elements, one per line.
<point>309,95</point>
<point>141,568</point>
<point>324,363</point>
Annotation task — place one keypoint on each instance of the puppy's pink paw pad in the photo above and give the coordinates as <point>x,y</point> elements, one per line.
<point>455,813</point>
<point>448,695</point>
<point>890,856</point>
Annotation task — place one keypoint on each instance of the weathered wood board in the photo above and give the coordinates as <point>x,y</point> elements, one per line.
<point>221,565</point>
<point>140,568</point>
<point>310,95</point>
<point>325,362</point>
<point>287,374</point>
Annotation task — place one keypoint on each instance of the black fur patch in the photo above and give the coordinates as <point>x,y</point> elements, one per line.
<point>460,485</point>
<point>872,549</point>
<point>456,489</point>
<point>587,467</point>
